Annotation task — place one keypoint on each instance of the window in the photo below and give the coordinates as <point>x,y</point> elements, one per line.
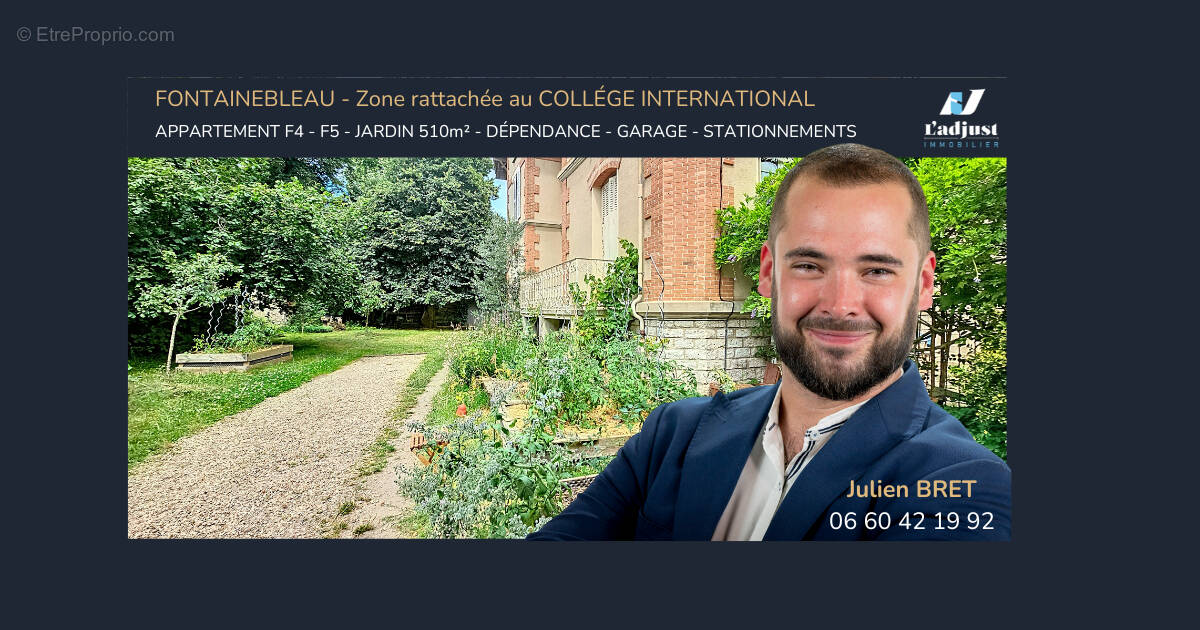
<point>766,166</point>
<point>514,195</point>
<point>608,218</point>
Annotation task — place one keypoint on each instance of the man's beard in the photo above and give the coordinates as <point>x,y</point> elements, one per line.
<point>820,369</point>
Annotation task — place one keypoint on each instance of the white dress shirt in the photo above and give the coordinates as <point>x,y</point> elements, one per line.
<point>766,479</point>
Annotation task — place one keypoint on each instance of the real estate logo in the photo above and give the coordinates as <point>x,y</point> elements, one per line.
<point>954,104</point>
<point>960,134</point>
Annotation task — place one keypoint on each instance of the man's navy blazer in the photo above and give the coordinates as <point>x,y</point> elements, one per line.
<point>673,480</point>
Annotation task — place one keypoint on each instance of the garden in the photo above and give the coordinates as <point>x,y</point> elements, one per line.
<point>522,419</point>
<point>248,277</point>
<point>252,276</point>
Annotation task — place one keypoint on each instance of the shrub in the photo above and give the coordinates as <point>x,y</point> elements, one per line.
<point>564,369</point>
<point>983,388</point>
<point>480,486</point>
<point>486,480</point>
<point>605,313</point>
<point>743,231</point>
<point>489,481</point>
<point>308,313</point>
<point>493,350</point>
<point>639,380</point>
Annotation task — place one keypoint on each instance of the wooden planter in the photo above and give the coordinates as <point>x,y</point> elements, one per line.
<point>771,375</point>
<point>713,388</point>
<point>232,361</point>
<point>594,442</point>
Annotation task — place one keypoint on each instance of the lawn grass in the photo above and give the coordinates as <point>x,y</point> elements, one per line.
<point>163,409</point>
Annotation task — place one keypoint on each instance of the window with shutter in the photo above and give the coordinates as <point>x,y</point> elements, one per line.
<point>514,199</point>
<point>608,218</point>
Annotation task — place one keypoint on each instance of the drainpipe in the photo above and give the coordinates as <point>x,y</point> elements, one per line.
<point>641,250</point>
<point>720,187</point>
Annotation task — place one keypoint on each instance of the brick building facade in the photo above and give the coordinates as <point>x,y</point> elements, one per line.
<point>574,211</point>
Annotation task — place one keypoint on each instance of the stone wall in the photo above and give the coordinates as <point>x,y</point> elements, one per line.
<point>704,346</point>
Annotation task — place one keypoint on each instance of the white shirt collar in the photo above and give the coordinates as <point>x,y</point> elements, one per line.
<point>766,478</point>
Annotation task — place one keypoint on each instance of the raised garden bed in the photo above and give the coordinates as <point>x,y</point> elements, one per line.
<point>771,375</point>
<point>602,441</point>
<point>232,361</point>
<point>595,442</point>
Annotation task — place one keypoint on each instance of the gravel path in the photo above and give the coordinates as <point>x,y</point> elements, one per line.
<point>277,470</point>
<point>379,502</point>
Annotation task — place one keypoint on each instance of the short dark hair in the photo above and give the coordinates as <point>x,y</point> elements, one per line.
<point>846,165</point>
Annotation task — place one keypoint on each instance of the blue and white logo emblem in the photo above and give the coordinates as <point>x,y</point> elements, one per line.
<point>954,104</point>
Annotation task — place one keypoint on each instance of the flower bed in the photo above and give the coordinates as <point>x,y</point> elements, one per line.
<point>602,438</point>
<point>556,410</point>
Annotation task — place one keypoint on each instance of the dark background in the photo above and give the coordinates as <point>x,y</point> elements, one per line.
<point>888,114</point>
<point>65,253</point>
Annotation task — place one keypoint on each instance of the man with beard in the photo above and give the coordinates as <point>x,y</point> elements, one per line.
<point>848,445</point>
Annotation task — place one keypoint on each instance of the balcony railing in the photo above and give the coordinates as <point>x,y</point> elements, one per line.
<point>546,291</point>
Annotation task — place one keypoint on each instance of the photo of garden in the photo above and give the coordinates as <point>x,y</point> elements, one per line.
<point>440,348</point>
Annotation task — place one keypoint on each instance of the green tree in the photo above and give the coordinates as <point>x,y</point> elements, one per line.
<point>424,221</point>
<point>498,290</point>
<point>968,213</point>
<point>968,218</point>
<point>983,388</point>
<point>291,240</point>
<point>195,283</point>
<point>326,173</point>
<point>369,297</point>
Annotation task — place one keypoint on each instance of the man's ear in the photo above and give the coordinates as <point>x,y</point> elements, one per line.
<point>925,281</point>
<point>765,264</point>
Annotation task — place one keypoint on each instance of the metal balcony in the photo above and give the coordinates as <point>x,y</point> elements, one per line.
<point>546,291</point>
